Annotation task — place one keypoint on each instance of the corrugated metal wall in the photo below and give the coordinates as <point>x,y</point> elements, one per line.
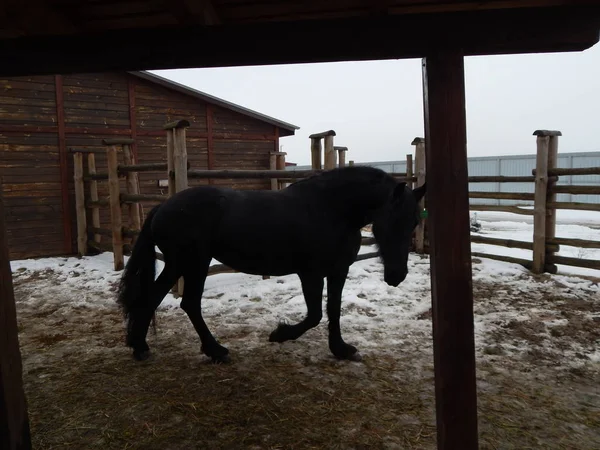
<point>512,165</point>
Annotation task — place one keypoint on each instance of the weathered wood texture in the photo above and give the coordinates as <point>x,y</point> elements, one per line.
<point>98,106</point>
<point>30,168</point>
<point>14,421</point>
<point>451,276</point>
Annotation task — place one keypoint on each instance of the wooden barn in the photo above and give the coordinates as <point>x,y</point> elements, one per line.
<point>44,118</point>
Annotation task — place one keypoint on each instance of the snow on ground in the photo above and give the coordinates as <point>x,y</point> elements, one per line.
<point>536,339</point>
<point>570,224</point>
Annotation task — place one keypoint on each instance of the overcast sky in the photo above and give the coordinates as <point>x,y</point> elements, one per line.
<point>376,107</point>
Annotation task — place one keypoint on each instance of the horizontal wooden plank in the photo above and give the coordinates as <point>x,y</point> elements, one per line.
<point>28,100</point>
<point>48,79</point>
<point>28,94</point>
<point>95,106</point>
<point>88,90</point>
<point>27,194</point>
<point>31,201</point>
<point>10,176</point>
<point>29,148</point>
<point>48,249</point>
<point>31,138</point>
<point>29,186</point>
<point>10,156</point>
<point>85,120</point>
<point>94,83</point>
<point>95,97</point>
<point>7,84</point>
<point>93,111</point>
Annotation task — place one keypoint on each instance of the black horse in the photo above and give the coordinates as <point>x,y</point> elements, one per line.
<point>311,228</point>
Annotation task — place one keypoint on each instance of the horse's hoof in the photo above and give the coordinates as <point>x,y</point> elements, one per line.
<point>141,355</point>
<point>356,357</point>
<point>223,359</point>
<point>346,352</point>
<point>275,337</point>
<point>279,334</point>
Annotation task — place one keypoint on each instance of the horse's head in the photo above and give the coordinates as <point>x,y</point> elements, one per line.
<point>393,225</point>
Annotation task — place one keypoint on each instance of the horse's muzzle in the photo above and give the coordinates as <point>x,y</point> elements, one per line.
<point>395,278</point>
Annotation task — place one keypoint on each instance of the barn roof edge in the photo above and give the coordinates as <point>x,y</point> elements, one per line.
<point>154,78</point>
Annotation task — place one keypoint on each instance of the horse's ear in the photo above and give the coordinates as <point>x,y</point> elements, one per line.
<point>399,190</point>
<point>419,192</point>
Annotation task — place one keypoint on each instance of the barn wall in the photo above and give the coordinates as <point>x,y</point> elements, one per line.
<point>30,166</point>
<point>96,107</point>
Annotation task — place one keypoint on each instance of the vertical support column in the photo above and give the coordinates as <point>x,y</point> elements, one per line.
<point>450,249</point>
<point>80,203</point>
<point>409,171</point>
<point>341,155</point>
<point>539,203</point>
<point>94,195</point>
<point>14,419</point>
<point>420,169</point>
<point>177,160</point>
<point>115,207</point>
<point>551,196</point>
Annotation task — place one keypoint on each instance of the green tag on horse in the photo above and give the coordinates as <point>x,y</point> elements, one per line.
<point>424,214</point>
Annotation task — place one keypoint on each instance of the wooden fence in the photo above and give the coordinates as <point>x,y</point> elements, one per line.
<point>122,235</point>
<point>544,244</point>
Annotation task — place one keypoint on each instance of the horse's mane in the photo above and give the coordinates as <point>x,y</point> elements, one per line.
<point>347,177</point>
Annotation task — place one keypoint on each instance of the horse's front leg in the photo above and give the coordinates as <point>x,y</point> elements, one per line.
<point>312,288</point>
<point>335,286</point>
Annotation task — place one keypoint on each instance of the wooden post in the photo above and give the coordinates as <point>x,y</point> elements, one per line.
<point>539,203</point>
<point>115,206</point>
<point>180,160</point>
<point>341,155</point>
<point>80,203</point>
<point>409,170</point>
<point>177,162</point>
<point>420,169</point>
<point>550,226</point>
<point>94,195</point>
<point>170,170</point>
<point>133,187</point>
<point>330,159</point>
<point>450,250</point>
<point>14,418</point>
<point>273,166</point>
<point>315,149</point>
<point>280,165</point>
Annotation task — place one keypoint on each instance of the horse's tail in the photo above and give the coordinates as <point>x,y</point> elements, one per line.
<point>140,270</point>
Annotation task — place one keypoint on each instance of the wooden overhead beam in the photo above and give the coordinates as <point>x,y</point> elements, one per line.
<point>37,18</point>
<point>522,30</point>
<point>190,12</point>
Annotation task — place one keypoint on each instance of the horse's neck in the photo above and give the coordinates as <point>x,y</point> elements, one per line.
<point>358,205</point>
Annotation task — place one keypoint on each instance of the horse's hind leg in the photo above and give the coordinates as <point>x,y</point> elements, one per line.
<point>142,316</point>
<point>312,288</point>
<point>194,277</point>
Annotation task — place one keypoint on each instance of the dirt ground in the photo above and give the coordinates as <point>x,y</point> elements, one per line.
<point>538,386</point>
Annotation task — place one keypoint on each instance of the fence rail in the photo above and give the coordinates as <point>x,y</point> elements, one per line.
<point>544,179</point>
